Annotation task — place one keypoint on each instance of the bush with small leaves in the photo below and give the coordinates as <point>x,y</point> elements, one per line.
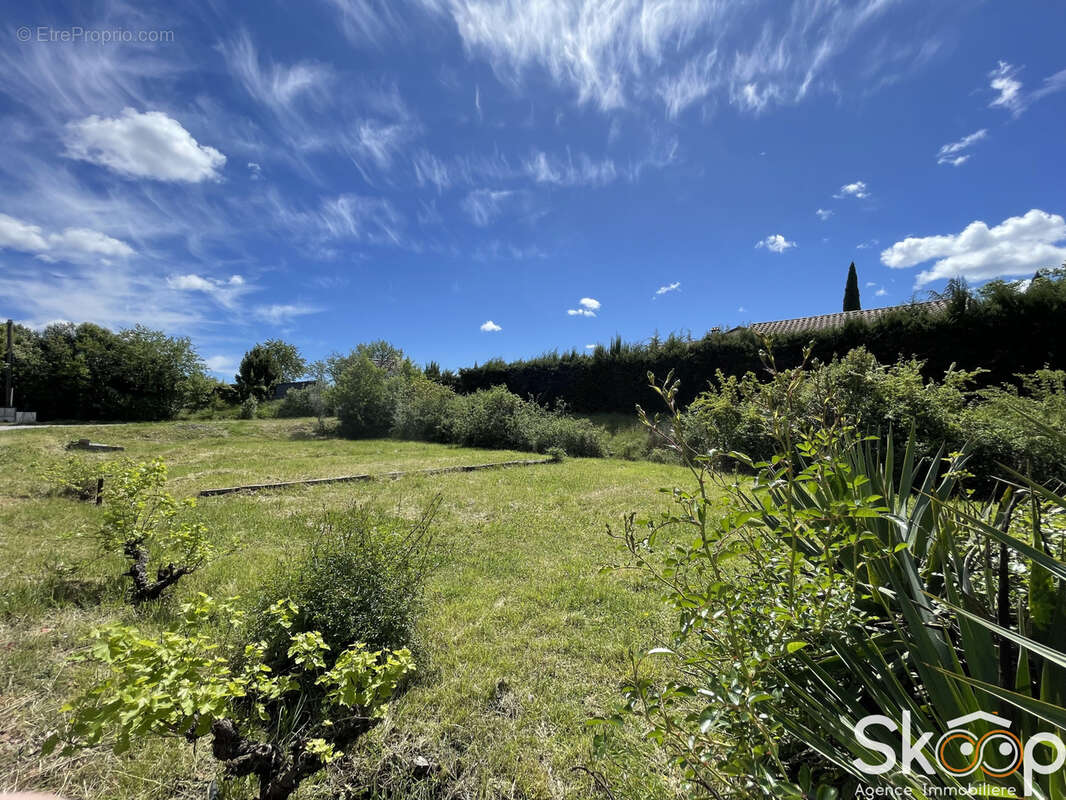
<point>144,523</point>
<point>280,727</point>
<point>75,476</point>
<point>360,579</point>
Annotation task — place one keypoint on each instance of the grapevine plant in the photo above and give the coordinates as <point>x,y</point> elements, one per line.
<point>278,723</point>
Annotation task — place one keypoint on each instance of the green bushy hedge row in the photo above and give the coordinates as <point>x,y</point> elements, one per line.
<point>378,392</point>
<point>732,414</point>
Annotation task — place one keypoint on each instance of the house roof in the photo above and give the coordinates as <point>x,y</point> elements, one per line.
<point>826,321</point>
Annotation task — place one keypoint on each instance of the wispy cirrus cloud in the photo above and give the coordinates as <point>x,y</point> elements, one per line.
<point>953,153</point>
<point>283,313</point>
<point>225,292</point>
<point>612,56</point>
<point>483,206</point>
<point>1016,246</point>
<point>1010,92</point>
<point>824,214</point>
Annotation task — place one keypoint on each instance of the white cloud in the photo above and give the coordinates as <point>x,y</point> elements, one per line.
<point>71,242</point>
<point>1017,246</point>
<point>255,171</point>
<point>222,365</point>
<point>346,216</point>
<point>484,205</point>
<point>490,327</point>
<point>868,244</point>
<point>857,189</point>
<point>19,235</point>
<point>588,308</point>
<point>1003,80</point>
<point>143,145</point>
<point>881,292</point>
<point>590,347</point>
<point>689,86</point>
<point>824,214</point>
<point>742,310</point>
<point>543,168</point>
<point>953,153</point>
<point>225,292</point>
<point>278,86</point>
<point>611,54</point>
<point>282,313</point>
<point>670,287</point>
<point>775,243</point>
<point>378,141</point>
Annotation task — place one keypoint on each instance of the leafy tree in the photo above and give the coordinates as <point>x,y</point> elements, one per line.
<point>361,396</point>
<point>851,290</point>
<point>288,363</point>
<point>266,365</point>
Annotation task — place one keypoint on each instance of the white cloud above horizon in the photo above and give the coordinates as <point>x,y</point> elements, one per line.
<point>70,243</point>
<point>143,145</point>
<point>1016,246</point>
<point>775,243</point>
<point>490,327</point>
<point>824,214</point>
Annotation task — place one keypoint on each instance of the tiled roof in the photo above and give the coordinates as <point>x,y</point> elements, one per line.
<point>826,321</point>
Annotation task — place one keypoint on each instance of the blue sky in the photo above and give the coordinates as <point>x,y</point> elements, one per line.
<point>471,179</point>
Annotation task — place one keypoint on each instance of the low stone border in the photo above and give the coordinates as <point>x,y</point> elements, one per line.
<point>258,487</point>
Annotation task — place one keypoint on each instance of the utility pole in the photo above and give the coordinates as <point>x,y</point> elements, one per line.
<point>9,390</point>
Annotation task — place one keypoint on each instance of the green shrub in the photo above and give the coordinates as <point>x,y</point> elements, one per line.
<point>307,401</point>
<point>360,580</point>
<point>76,476</point>
<point>496,418</point>
<point>425,411</point>
<point>249,407</point>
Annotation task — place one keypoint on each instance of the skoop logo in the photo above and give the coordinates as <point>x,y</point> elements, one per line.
<point>998,753</point>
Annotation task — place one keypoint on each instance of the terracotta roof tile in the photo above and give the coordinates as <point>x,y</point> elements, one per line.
<point>826,321</point>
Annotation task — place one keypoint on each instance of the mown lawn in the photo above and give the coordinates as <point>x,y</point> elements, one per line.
<point>522,637</point>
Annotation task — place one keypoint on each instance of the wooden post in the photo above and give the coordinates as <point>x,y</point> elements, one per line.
<point>99,491</point>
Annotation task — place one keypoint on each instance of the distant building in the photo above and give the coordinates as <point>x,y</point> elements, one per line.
<point>783,327</point>
<point>283,388</point>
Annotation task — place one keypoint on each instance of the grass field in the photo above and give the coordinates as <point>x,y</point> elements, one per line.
<point>521,640</point>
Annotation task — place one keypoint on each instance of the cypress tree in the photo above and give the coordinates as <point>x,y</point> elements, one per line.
<point>851,290</point>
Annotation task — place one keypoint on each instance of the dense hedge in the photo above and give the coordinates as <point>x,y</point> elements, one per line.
<point>998,328</point>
